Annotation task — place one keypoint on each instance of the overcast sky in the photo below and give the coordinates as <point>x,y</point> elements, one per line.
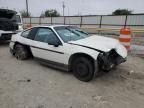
<point>75,7</point>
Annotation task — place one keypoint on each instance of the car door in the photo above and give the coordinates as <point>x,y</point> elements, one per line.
<point>42,50</point>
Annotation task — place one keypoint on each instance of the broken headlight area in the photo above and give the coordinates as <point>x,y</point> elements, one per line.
<point>110,59</point>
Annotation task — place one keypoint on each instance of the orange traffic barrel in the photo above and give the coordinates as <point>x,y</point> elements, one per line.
<point>125,37</point>
<point>28,26</point>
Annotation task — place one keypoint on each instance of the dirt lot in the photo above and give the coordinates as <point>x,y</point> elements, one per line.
<point>27,84</point>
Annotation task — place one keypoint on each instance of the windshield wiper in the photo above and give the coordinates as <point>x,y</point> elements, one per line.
<point>73,31</point>
<point>82,32</point>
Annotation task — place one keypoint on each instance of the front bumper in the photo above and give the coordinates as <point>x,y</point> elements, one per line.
<point>6,36</point>
<point>109,60</point>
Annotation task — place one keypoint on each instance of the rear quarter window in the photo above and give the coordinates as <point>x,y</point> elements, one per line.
<point>25,33</point>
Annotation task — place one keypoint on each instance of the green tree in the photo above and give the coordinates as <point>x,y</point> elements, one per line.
<point>122,12</point>
<point>24,14</point>
<point>50,13</point>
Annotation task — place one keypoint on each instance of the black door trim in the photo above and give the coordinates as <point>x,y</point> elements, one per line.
<point>47,50</point>
<point>88,47</point>
<point>53,64</point>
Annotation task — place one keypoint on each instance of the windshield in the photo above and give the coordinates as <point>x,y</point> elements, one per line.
<point>68,33</point>
<point>18,19</point>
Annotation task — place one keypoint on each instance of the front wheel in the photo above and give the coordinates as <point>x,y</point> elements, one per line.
<point>83,69</point>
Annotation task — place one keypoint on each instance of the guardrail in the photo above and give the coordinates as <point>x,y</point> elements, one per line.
<point>137,34</point>
<point>111,29</point>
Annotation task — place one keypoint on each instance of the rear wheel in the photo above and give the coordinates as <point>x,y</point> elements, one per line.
<point>83,69</point>
<point>21,52</point>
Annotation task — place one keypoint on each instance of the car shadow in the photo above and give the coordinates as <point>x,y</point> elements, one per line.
<point>111,77</point>
<point>53,68</point>
<point>115,76</point>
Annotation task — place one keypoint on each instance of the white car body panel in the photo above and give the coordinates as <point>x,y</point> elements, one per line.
<point>66,50</point>
<point>102,43</point>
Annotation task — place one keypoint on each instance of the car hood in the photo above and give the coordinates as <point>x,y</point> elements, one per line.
<point>98,42</point>
<point>5,13</point>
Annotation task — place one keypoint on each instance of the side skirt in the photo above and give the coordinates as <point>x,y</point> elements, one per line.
<point>52,64</point>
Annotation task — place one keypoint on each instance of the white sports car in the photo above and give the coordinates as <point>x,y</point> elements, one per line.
<point>69,48</point>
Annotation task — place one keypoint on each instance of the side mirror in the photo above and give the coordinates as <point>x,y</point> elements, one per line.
<point>54,43</point>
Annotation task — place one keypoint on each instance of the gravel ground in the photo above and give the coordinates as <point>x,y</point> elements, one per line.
<point>28,84</point>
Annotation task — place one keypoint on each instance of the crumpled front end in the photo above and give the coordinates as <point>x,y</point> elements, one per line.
<point>108,60</point>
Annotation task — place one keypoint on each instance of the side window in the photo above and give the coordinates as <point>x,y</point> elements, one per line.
<point>25,33</point>
<point>45,35</point>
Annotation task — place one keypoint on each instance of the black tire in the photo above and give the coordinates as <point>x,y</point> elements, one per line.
<point>83,69</point>
<point>21,52</point>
